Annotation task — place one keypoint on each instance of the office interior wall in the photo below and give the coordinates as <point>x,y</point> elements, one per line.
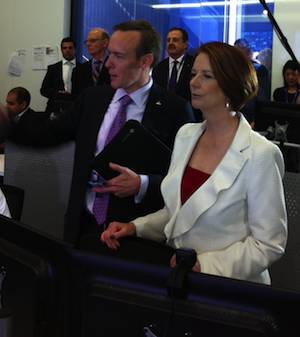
<point>24,24</point>
<point>286,14</point>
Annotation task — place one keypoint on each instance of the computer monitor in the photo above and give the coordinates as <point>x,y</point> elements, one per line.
<point>124,298</point>
<point>280,123</point>
<point>32,279</point>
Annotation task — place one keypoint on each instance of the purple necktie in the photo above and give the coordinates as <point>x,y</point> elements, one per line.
<point>100,205</point>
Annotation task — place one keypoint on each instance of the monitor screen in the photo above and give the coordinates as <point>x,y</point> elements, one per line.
<point>278,121</point>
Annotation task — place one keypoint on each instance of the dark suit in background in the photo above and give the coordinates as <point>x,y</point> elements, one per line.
<point>160,75</point>
<point>52,84</point>
<point>82,77</point>
<point>164,114</point>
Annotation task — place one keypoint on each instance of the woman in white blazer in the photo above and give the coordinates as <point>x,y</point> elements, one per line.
<point>223,193</point>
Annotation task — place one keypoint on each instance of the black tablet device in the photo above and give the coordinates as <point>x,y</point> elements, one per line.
<point>136,148</point>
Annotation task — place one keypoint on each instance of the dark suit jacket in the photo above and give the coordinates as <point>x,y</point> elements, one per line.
<point>164,114</point>
<point>160,75</point>
<point>52,83</point>
<point>82,77</point>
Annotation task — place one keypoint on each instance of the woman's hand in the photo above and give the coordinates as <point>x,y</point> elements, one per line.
<point>196,268</point>
<point>115,231</point>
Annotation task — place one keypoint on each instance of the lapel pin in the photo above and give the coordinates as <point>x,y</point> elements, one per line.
<point>158,103</point>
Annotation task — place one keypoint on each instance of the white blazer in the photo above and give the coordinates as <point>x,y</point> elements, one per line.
<point>236,221</point>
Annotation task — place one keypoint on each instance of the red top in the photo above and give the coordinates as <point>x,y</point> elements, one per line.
<point>192,179</point>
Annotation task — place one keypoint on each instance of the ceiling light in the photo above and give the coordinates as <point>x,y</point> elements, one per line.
<point>205,4</point>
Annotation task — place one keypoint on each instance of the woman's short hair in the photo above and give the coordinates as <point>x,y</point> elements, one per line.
<point>234,73</point>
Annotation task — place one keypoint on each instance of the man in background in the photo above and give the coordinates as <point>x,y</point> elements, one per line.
<point>18,102</point>
<point>57,83</point>
<point>93,72</point>
<point>263,77</point>
<point>174,72</point>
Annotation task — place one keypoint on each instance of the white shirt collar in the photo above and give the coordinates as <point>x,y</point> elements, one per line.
<point>64,61</point>
<point>16,118</point>
<point>180,59</point>
<point>139,96</point>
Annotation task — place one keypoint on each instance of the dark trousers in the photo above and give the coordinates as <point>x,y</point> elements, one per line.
<point>131,248</point>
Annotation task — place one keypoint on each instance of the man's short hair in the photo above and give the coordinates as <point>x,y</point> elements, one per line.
<point>105,35</point>
<point>22,95</point>
<point>67,39</point>
<point>185,36</point>
<point>150,41</point>
<point>244,45</point>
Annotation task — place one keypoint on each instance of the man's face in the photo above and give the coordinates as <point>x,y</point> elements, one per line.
<point>175,44</point>
<point>13,106</point>
<point>95,43</point>
<point>68,50</point>
<point>125,69</point>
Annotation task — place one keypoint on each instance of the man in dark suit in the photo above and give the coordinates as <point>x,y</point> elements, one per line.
<point>57,83</point>
<point>133,50</point>
<point>93,72</point>
<point>179,63</point>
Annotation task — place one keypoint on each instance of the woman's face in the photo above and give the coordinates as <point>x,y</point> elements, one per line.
<point>291,77</point>
<point>206,92</point>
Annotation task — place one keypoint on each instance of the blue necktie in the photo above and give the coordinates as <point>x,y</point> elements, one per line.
<point>173,77</point>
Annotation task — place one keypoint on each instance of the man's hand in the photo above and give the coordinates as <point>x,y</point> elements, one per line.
<point>115,231</point>
<point>64,92</point>
<point>126,184</point>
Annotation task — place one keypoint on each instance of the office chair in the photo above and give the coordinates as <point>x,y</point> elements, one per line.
<point>285,273</point>
<point>15,198</point>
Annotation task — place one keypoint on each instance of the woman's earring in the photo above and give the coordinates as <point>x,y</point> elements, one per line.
<point>227,105</point>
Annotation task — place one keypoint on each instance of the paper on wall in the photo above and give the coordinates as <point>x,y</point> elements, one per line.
<point>17,62</point>
<point>42,56</point>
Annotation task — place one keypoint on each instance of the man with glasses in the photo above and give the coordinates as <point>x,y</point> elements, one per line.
<point>93,72</point>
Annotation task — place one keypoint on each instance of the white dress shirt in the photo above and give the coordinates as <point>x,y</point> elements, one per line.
<point>67,68</point>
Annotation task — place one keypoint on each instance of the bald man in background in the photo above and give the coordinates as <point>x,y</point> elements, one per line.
<point>93,72</point>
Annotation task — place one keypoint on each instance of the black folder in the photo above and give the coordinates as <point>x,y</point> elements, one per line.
<point>136,148</point>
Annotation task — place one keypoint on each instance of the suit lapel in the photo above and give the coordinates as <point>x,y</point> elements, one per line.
<point>207,195</point>
<point>103,96</point>
<point>186,70</point>
<point>154,108</point>
<point>60,76</point>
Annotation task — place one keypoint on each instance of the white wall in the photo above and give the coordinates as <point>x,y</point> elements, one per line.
<point>286,13</point>
<point>24,24</point>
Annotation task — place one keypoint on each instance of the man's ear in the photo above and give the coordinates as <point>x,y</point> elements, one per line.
<point>147,60</point>
<point>23,105</point>
<point>105,43</point>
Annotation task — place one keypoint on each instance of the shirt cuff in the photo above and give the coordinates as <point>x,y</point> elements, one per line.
<point>143,189</point>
